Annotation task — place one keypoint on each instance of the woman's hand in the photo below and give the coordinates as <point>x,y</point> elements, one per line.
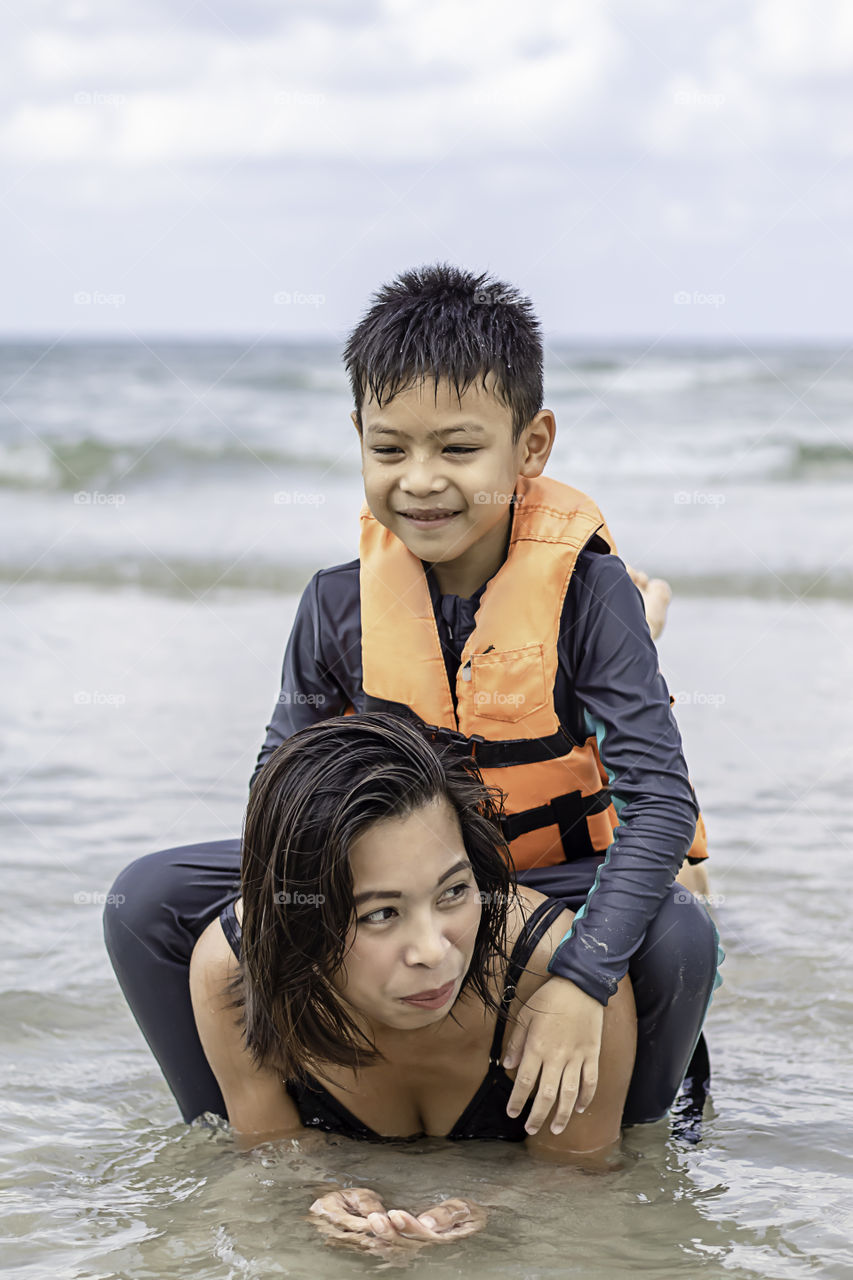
<point>445,1223</point>
<point>357,1218</point>
<point>350,1209</point>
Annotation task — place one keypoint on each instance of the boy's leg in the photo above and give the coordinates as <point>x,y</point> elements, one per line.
<point>155,911</point>
<point>695,878</point>
<point>672,974</point>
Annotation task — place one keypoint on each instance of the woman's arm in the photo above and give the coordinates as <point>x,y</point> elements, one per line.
<point>590,1136</point>
<point>258,1105</point>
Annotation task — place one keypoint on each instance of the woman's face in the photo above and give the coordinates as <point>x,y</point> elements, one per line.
<point>417,909</point>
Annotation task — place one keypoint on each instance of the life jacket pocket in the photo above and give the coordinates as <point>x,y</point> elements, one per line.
<point>509,686</point>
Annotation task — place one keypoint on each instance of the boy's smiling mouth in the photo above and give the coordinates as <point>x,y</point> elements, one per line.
<point>429,515</point>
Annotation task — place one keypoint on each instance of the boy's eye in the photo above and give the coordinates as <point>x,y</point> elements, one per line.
<point>385,450</point>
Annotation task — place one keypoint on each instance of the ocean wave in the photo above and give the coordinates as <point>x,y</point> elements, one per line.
<point>826,460</point>
<point>102,416</point>
<point>190,578</point>
<point>57,466</point>
<point>640,375</point>
<point>786,584</point>
<point>178,576</point>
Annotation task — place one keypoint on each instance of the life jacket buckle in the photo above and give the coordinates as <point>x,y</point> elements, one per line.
<point>441,733</point>
<point>453,738</point>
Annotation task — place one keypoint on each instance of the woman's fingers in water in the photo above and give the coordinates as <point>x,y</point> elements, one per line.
<point>411,1227</point>
<point>357,1209</point>
<point>449,1220</point>
<point>358,1213</point>
<point>449,1213</point>
<point>366,1241</point>
<point>465,1216</point>
<point>363,1200</point>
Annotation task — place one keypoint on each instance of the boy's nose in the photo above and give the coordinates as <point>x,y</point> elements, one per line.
<point>420,479</point>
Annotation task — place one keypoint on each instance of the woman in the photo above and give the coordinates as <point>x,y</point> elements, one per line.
<point>381,946</point>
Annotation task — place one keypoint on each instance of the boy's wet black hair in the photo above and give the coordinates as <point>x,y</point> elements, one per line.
<point>445,323</point>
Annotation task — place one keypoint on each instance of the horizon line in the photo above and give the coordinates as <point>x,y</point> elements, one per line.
<point>580,339</point>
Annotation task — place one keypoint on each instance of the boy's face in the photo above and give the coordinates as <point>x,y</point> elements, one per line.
<point>440,471</point>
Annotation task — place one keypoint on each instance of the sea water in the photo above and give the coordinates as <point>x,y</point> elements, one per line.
<point>164,504</point>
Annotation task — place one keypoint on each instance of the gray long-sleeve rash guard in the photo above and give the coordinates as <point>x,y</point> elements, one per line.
<point>608,684</point>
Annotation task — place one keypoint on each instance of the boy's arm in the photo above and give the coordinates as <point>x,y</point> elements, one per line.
<point>309,690</point>
<point>626,706</point>
<point>609,654</point>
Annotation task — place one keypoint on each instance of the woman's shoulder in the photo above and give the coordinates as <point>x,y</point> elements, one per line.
<point>213,963</point>
<point>256,1100</point>
<point>521,909</point>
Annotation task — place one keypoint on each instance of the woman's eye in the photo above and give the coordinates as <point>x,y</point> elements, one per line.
<point>459,891</point>
<point>375,917</point>
<point>456,893</point>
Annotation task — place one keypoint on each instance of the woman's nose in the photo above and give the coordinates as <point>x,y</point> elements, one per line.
<point>427,945</point>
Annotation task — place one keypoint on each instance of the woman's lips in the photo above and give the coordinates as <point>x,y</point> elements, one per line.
<point>434,1001</point>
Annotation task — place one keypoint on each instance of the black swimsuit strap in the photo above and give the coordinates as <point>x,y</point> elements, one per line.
<point>537,924</point>
<point>230,927</point>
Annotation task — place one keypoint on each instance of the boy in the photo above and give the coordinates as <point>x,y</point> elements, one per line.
<point>487,606</point>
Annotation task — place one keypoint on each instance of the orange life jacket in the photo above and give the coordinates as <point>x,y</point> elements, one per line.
<point>556,807</point>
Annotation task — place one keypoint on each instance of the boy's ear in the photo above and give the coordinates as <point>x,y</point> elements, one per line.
<point>536,443</point>
<point>354,416</point>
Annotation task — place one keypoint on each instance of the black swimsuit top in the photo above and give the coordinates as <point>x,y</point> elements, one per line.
<point>485,1115</point>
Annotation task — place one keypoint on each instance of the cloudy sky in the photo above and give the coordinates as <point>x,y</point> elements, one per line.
<point>258,167</point>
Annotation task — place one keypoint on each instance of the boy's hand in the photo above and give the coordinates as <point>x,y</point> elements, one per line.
<point>558,1032</point>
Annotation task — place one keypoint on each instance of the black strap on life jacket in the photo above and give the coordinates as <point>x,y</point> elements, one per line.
<point>567,812</point>
<point>487,753</point>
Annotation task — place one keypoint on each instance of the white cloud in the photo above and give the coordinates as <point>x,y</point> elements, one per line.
<point>385,93</point>
<point>407,79</point>
<point>603,155</point>
<point>793,40</point>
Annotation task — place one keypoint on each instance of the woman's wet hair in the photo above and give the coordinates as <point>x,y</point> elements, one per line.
<point>445,323</point>
<point>316,795</point>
